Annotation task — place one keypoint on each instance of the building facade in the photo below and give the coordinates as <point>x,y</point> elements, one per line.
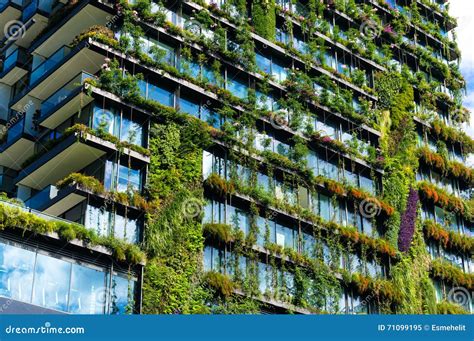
<point>234,157</point>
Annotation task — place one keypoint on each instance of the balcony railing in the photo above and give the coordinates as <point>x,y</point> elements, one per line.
<point>5,3</point>
<point>42,197</point>
<point>45,6</point>
<point>35,212</point>
<point>17,56</point>
<point>16,130</point>
<point>49,63</point>
<point>70,88</point>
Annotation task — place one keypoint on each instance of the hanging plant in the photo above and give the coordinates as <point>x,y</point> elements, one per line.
<point>407,226</point>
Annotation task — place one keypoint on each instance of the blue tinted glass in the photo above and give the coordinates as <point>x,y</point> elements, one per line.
<point>237,88</point>
<point>211,118</point>
<point>88,291</point>
<point>263,63</point>
<point>160,95</point>
<point>16,272</point>
<point>121,300</point>
<point>189,107</point>
<point>128,179</point>
<point>324,207</point>
<point>131,132</point>
<point>52,278</point>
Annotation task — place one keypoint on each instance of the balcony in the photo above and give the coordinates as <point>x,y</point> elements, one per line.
<point>57,70</point>
<point>54,201</point>
<point>65,102</point>
<point>69,155</point>
<point>35,16</point>
<point>14,67</point>
<point>83,16</point>
<point>18,146</point>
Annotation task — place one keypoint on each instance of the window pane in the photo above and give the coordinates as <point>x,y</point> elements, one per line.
<point>103,120</point>
<point>189,107</point>
<point>88,291</point>
<point>129,179</point>
<point>121,298</point>
<point>324,207</point>
<point>51,287</point>
<point>160,95</point>
<point>16,272</point>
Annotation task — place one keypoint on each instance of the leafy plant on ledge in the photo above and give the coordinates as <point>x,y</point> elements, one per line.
<point>222,284</point>
<point>444,270</point>
<point>448,239</point>
<point>16,217</point>
<point>93,185</point>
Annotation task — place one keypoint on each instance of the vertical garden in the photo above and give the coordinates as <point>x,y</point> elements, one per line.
<point>327,264</point>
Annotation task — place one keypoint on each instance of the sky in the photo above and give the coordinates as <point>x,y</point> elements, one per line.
<point>463,10</point>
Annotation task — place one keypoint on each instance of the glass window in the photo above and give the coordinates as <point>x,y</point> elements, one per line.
<point>328,169</point>
<point>128,179</point>
<point>212,118</point>
<point>351,177</point>
<point>97,219</point>
<point>262,277</point>
<point>88,293</point>
<point>284,236</point>
<point>261,231</point>
<point>189,107</point>
<point>131,132</point>
<point>207,258</point>
<point>367,184</point>
<point>325,207</point>
<point>236,87</point>
<point>326,129</point>
<point>308,244</point>
<point>160,95</point>
<point>264,64</point>
<point>16,272</point>
<point>279,72</point>
<point>367,225</point>
<point>440,215</point>
<point>121,298</point>
<point>104,120</point>
<point>263,182</point>
<point>126,228</point>
<point>51,286</point>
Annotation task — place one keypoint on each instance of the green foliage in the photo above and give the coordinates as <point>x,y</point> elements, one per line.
<point>174,281</point>
<point>16,217</point>
<point>449,308</point>
<point>219,232</point>
<point>264,18</point>
<point>222,284</point>
<point>174,239</point>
